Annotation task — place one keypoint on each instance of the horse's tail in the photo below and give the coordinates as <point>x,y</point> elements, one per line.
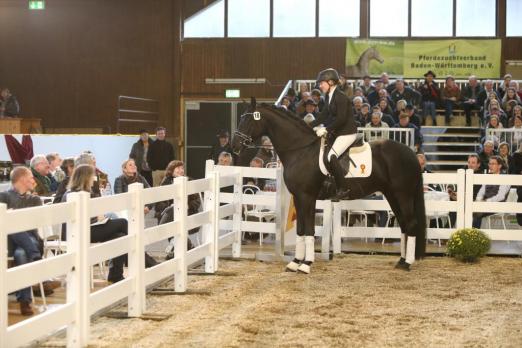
<point>420,217</point>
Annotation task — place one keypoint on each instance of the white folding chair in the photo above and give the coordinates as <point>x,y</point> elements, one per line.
<point>255,211</point>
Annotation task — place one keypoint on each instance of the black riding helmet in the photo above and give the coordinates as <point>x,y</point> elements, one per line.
<point>326,75</point>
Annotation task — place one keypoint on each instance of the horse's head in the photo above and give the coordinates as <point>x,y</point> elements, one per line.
<point>374,54</point>
<point>251,127</point>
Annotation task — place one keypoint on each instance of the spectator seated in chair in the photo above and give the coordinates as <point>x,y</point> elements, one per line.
<point>450,96</point>
<point>9,106</point>
<point>491,193</point>
<point>40,169</point>
<point>469,96</point>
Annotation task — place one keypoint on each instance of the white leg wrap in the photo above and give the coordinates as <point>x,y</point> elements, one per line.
<point>300,247</point>
<point>310,248</point>
<point>403,245</point>
<point>410,250</point>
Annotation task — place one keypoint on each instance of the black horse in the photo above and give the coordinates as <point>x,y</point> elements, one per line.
<point>396,173</point>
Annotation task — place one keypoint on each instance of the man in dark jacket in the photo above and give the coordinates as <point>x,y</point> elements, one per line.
<point>469,96</point>
<point>223,145</point>
<point>403,92</point>
<point>404,122</point>
<point>139,154</point>
<point>159,155</point>
<point>25,246</point>
<point>8,104</point>
<point>430,97</point>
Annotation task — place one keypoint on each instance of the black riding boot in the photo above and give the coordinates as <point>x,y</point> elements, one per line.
<point>340,181</point>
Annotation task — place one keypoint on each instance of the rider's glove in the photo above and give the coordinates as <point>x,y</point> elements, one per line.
<point>321,131</point>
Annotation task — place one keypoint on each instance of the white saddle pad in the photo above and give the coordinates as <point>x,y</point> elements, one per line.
<point>361,156</point>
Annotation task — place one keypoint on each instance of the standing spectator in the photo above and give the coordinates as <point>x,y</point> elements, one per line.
<point>367,85</point>
<point>25,246</point>
<point>470,95</point>
<point>159,155</point>
<point>8,104</point>
<point>223,145</point>
<point>450,96</point>
<point>487,151</point>
<point>40,169</point>
<point>491,193</point>
<point>430,97</point>
<point>139,154</point>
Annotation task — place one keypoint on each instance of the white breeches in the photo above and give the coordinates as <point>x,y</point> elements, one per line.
<point>341,144</point>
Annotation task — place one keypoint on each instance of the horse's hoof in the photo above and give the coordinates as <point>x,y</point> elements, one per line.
<point>401,261</point>
<point>292,267</point>
<point>304,268</point>
<point>403,265</point>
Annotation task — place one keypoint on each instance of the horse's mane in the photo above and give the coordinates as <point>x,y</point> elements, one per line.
<point>296,120</point>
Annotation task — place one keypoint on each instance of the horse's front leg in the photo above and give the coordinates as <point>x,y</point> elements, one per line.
<point>308,216</point>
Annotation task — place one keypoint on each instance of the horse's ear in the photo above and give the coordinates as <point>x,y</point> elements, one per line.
<point>253,102</point>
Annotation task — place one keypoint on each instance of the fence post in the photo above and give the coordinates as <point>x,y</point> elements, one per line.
<point>180,241</point>
<point>211,229</point>
<point>237,218</point>
<point>468,204</point>
<point>461,198</point>
<point>78,284</point>
<point>336,235</point>
<point>4,323</point>
<point>327,227</point>
<point>137,301</point>
<point>280,215</point>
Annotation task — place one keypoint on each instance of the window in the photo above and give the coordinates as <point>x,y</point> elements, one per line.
<point>209,22</point>
<point>476,18</point>
<point>513,15</point>
<point>294,18</point>
<point>249,18</point>
<point>382,23</point>
<point>432,18</point>
<point>339,17</point>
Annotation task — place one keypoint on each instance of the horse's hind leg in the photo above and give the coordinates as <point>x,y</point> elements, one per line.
<point>400,209</point>
<point>293,266</point>
<point>409,226</point>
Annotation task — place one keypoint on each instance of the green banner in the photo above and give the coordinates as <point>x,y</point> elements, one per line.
<point>413,58</point>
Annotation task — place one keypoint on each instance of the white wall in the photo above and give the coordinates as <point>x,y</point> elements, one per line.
<point>110,150</point>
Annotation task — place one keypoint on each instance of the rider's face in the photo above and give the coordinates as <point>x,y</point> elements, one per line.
<point>324,86</point>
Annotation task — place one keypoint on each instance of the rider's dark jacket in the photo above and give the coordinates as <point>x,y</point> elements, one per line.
<point>337,115</point>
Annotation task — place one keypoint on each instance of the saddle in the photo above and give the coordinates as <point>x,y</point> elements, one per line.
<point>344,158</point>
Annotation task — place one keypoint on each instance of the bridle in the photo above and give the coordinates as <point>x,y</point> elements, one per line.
<point>246,140</point>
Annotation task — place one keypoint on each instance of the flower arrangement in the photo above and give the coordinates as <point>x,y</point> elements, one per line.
<point>468,244</point>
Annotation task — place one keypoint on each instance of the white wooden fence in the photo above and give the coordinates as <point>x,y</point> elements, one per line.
<point>462,182</point>
<point>76,263</point>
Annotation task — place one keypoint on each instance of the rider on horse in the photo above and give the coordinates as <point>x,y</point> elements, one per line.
<point>335,119</point>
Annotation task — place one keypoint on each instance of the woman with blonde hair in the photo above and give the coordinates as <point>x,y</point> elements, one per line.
<point>102,229</point>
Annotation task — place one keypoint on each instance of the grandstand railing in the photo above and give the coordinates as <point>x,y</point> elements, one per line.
<point>402,135</point>
<point>511,136</point>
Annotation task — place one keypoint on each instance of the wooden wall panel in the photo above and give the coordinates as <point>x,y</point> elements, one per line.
<point>69,62</point>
